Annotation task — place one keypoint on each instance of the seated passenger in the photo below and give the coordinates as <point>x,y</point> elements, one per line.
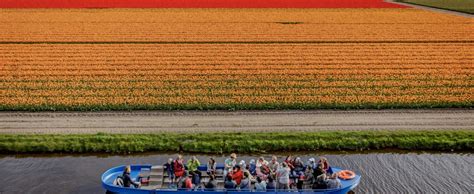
<point>242,164</point>
<point>237,174</point>
<point>262,168</point>
<point>274,165</point>
<point>261,185</point>
<point>229,183</point>
<point>298,169</point>
<point>283,176</point>
<point>245,183</point>
<point>178,167</point>
<point>252,168</point>
<point>211,166</point>
<point>261,161</point>
<point>289,162</point>
<point>325,164</point>
<point>212,184</point>
<point>193,165</point>
<point>247,170</point>
<point>333,182</point>
<point>229,163</point>
<point>185,182</point>
<point>312,165</point>
<point>169,169</point>
<point>264,171</point>
<point>127,180</point>
<point>308,175</point>
<point>318,172</point>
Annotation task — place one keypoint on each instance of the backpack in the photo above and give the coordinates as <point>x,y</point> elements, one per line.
<point>265,169</point>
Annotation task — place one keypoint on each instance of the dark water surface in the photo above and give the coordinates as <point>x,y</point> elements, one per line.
<point>381,172</point>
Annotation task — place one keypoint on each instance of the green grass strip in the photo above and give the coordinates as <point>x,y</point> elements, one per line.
<point>438,140</point>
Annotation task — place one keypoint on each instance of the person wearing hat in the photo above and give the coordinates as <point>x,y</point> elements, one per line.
<point>229,163</point>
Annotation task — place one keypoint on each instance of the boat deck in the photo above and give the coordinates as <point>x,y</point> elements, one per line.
<point>159,179</point>
<point>159,182</point>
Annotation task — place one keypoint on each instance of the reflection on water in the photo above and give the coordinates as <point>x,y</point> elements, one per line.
<point>381,172</point>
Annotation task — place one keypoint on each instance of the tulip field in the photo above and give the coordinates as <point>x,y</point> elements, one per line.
<point>197,4</point>
<point>230,59</point>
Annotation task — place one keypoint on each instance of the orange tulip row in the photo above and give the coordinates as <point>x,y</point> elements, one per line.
<point>231,25</point>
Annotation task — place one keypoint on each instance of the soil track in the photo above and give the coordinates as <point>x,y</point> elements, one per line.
<point>217,121</point>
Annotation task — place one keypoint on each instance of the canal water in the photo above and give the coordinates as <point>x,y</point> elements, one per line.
<point>381,172</point>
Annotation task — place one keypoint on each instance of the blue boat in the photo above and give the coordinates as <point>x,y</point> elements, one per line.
<point>157,183</point>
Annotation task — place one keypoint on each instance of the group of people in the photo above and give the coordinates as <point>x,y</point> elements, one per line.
<point>261,175</point>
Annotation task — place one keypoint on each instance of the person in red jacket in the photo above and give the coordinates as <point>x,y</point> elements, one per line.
<point>178,167</point>
<point>237,174</point>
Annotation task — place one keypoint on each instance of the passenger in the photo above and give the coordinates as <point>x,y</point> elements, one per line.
<point>127,180</point>
<point>289,162</point>
<point>325,164</point>
<point>262,168</point>
<point>261,185</point>
<point>193,165</point>
<point>245,183</point>
<point>229,183</point>
<point>298,173</point>
<point>320,182</point>
<point>237,174</point>
<point>271,186</point>
<point>253,167</point>
<point>274,165</point>
<point>261,161</point>
<point>308,174</point>
<point>169,170</point>
<point>211,167</point>
<point>300,182</point>
<point>229,163</point>
<point>247,170</point>
<point>283,175</point>
<point>264,171</point>
<point>318,172</point>
<point>185,182</point>
<point>298,167</point>
<point>242,164</point>
<point>178,167</point>
<point>312,164</point>
<point>333,182</point>
<point>212,184</point>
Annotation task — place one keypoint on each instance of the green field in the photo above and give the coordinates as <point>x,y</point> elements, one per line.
<point>466,6</point>
<point>449,140</point>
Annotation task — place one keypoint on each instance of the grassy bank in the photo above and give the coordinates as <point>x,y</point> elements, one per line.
<point>465,6</point>
<point>459,140</point>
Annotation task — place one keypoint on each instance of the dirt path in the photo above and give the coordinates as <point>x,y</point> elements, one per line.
<point>194,121</point>
<point>432,9</point>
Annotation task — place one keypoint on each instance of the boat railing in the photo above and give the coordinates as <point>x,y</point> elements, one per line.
<point>200,190</point>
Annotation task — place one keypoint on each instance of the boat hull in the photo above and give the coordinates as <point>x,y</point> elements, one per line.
<point>109,176</point>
